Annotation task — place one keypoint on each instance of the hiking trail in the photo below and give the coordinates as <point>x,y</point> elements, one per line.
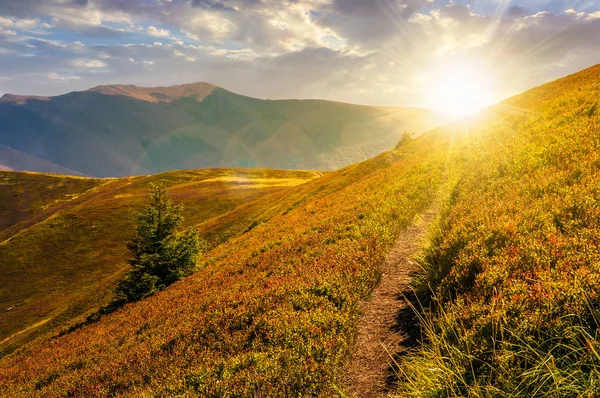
<point>383,330</point>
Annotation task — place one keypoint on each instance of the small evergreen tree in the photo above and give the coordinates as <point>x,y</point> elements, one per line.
<point>159,256</point>
<point>406,138</point>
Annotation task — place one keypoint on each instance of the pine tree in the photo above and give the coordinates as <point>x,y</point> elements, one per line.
<point>159,256</point>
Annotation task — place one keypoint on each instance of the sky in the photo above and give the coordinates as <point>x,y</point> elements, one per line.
<point>379,52</point>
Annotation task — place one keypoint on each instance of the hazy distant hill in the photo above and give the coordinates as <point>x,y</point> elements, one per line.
<point>11,159</point>
<point>128,130</point>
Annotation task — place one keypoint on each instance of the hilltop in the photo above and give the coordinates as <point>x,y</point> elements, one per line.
<point>120,130</point>
<point>21,99</point>
<point>199,91</point>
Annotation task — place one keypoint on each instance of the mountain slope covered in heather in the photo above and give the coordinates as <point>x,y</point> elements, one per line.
<point>511,273</point>
<point>123,130</point>
<point>62,238</point>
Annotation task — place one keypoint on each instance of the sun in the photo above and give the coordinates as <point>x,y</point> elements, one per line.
<point>458,87</point>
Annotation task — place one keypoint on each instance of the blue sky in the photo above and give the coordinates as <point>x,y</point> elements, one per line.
<point>362,51</point>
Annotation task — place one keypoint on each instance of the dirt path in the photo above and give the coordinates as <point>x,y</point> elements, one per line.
<point>381,331</point>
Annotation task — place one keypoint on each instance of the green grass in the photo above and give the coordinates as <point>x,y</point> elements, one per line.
<point>25,195</point>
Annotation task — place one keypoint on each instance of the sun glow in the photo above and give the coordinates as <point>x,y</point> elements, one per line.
<point>458,88</point>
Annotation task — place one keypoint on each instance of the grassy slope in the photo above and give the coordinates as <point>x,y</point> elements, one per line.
<point>272,311</point>
<point>24,195</point>
<point>223,130</point>
<point>516,262</point>
<point>63,241</point>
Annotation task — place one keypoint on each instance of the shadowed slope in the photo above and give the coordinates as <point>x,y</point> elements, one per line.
<point>15,160</point>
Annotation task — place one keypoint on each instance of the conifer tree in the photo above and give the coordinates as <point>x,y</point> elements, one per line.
<point>159,255</point>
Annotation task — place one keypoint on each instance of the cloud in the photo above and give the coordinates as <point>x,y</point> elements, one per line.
<point>18,24</point>
<point>56,76</point>
<point>351,50</point>
<point>88,63</point>
<point>156,32</point>
<point>366,22</point>
<point>84,17</point>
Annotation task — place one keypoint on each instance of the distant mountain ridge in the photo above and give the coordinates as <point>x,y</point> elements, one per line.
<point>21,99</point>
<point>119,130</point>
<point>158,94</point>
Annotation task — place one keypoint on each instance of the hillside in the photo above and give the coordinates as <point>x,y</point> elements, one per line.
<point>509,281</point>
<point>15,160</point>
<point>514,264</point>
<point>63,238</point>
<point>272,308</point>
<point>121,130</point>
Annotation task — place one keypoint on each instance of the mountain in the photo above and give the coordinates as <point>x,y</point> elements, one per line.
<point>11,159</point>
<point>197,91</point>
<point>119,130</point>
<point>508,292</point>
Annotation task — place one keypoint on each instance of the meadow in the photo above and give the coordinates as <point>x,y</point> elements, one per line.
<point>63,241</point>
<point>273,307</point>
<point>508,291</point>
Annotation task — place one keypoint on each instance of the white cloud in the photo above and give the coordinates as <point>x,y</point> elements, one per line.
<point>594,15</point>
<point>18,24</point>
<point>157,32</point>
<point>56,76</point>
<point>88,63</point>
<point>7,32</point>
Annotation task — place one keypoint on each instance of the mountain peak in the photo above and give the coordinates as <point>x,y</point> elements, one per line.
<point>158,94</point>
<point>21,99</point>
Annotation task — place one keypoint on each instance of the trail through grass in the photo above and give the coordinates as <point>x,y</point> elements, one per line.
<point>385,329</point>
